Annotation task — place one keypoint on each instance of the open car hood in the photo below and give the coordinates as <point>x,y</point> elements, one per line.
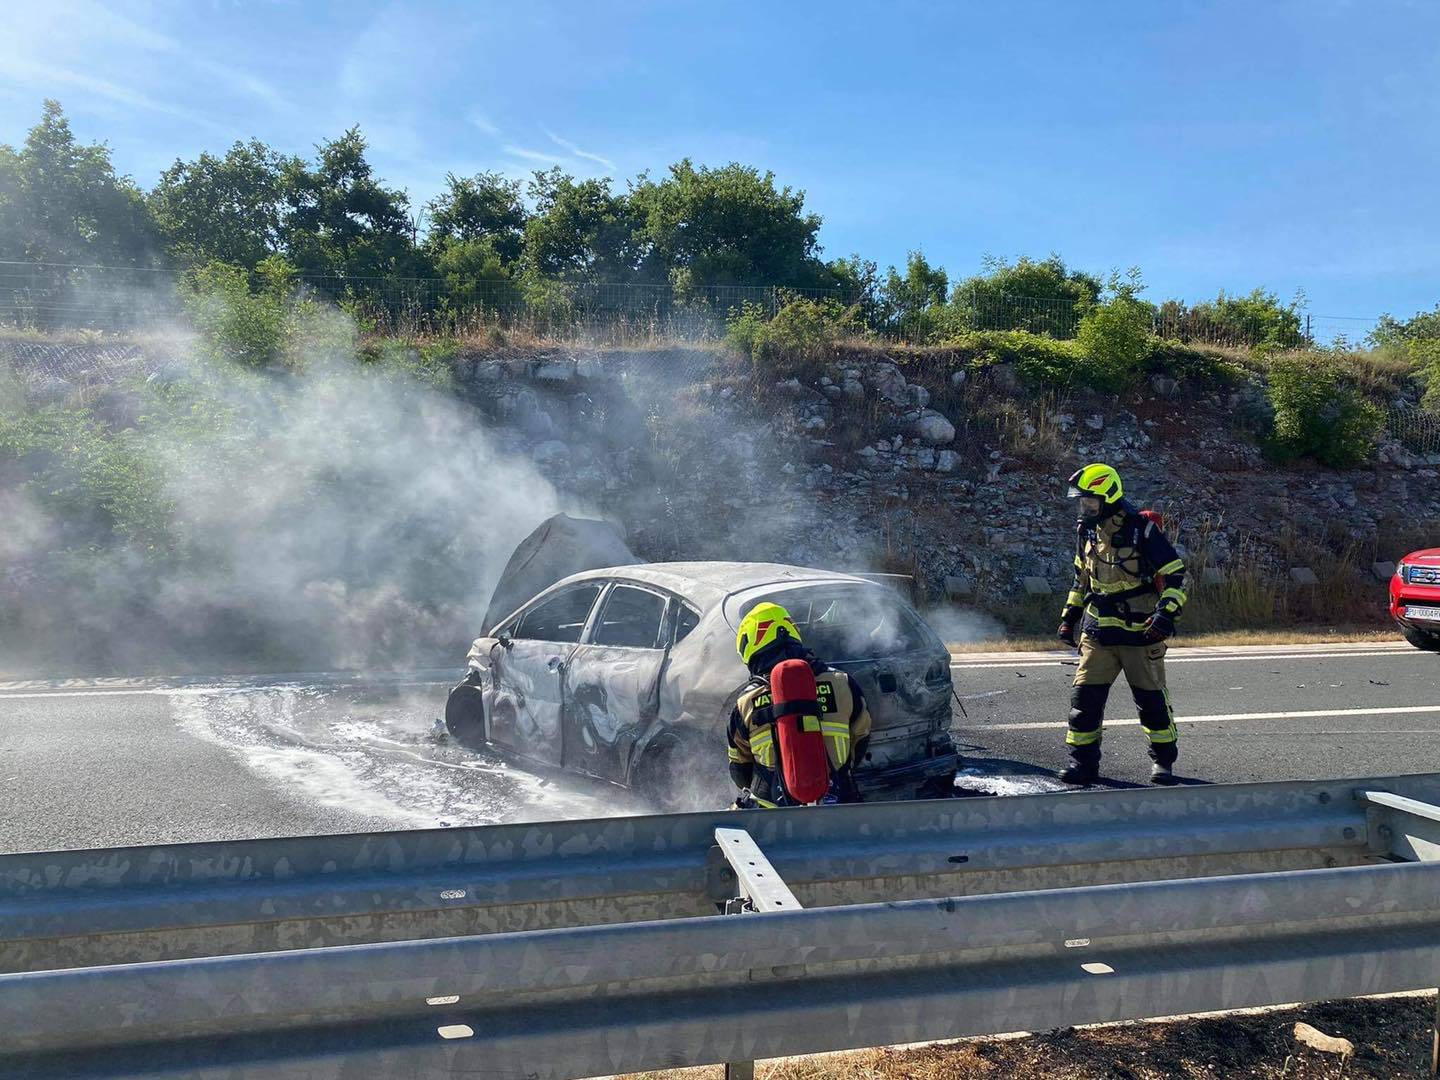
<point>561,546</point>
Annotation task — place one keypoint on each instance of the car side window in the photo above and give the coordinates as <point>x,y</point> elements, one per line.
<point>560,618</point>
<point>686,619</point>
<point>630,619</point>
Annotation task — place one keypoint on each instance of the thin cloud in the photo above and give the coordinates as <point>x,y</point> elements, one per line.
<point>28,72</point>
<point>575,151</point>
<point>540,157</point>
<point>117,34</point>
<point>483,122</point>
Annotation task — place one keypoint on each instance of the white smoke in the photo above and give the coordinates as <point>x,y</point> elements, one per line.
<point>341,516</point>
<point>963,626</point>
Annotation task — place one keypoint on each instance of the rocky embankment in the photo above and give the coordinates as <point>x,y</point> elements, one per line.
<point>954,475</point>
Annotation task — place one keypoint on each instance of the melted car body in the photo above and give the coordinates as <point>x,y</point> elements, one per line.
<point>628,674</point>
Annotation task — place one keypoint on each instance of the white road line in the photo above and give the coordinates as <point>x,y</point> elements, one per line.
<point>1396,710</point>
<point>84,693</point>
<point>1180,658</point>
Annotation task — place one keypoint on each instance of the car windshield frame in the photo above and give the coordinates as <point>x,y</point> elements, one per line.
<point>915,636</point>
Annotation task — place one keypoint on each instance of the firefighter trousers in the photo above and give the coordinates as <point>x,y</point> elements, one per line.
<point>1100,666</point>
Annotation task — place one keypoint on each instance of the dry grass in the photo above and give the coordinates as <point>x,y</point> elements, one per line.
<point>1391,1035</point>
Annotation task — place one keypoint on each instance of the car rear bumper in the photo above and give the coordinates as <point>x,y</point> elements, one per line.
<point>926,776</point>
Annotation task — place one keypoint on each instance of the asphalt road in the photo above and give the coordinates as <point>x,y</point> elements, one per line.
<point>1243,713</point>
<point>111,762</point>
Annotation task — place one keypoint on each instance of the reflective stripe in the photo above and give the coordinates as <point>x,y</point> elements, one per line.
<point>836,727</point>
<point>735,755</point>
<point>1082,738</point>
<point>1107,587</point>
<point>761,802</point>
<point>1108,622</point>
<point>1075,599</point>
<point>1163,735</point>
<point>762,745</point>
<point>1178,595</point>
<point>1172,567</point>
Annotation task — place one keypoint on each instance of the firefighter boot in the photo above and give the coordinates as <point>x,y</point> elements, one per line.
<point>1081,773</point>
<point>1087,709</point>
<point>1158,722</point>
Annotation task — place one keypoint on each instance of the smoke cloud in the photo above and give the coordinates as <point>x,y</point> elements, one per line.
<point>962,626</point>
<point>345,515</point>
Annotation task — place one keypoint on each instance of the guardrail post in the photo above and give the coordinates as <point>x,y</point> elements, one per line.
<point>761,889</point>
<point>1435,1038</point>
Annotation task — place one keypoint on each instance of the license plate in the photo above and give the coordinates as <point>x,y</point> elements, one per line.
<point>1423,614</point>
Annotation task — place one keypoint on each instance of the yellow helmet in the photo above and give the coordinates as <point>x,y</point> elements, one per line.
<point>762,626</point>
<point>1099,480</point>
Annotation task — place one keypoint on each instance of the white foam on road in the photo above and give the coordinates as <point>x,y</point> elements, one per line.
<point>973,779</point>
<point>378,759</point>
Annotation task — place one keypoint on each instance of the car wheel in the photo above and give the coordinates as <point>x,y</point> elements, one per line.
<point>1421,639</point>
<point>665,775</point>
<point>465,714</point>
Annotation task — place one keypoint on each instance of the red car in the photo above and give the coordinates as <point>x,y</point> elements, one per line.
<point>1415,598</point>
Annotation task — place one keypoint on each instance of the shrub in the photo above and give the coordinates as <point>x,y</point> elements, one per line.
<point>243,317</point>
<point>1115,337</point>
<point>1319,413</point>
<point>745,330</point>
<point>801,331</point>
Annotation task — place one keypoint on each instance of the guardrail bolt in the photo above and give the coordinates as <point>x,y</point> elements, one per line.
<point>1348,833</point>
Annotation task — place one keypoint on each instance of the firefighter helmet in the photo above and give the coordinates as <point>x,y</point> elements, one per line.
<point>763,626</point>
<point>1099,480</point>
<point>1096,481</point>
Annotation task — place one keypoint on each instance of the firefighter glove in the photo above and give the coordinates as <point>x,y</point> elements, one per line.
<point>1067,634</point>
<point>1159,627</point>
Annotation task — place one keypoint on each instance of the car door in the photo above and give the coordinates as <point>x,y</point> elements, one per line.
<point>612,680</point>
<point>526,691</point>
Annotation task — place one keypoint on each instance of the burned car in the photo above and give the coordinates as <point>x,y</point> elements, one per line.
<point>628,674</point>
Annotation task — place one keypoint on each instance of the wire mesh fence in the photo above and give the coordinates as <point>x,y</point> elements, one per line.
<point>1416,429</point>
<point>50,297</point>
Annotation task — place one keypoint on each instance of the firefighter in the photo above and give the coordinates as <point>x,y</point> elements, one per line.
<point>1129,589</point>
<point>767,636</point>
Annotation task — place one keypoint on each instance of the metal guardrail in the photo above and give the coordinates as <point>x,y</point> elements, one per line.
<point>574,949</point>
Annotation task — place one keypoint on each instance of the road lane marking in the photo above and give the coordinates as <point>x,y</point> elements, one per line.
<point>1392,710</point>
<point>1175,658</point>
<point>82,693</point>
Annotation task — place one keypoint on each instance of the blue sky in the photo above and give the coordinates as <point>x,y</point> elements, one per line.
<point>1214,145</point>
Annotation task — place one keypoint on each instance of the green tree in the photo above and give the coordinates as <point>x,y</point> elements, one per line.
<point>857,281</point>
<point>485,207</point>
<point>1115,336</point>
<point>1422,326</point>
<point>1041,296</point>
<point>913,304</point>
<point>62,206</point>
<point>340,219</point>
<point>580,231</point>
<point>727,226</point>
<point>225,209</point>
<point>1256,319</point>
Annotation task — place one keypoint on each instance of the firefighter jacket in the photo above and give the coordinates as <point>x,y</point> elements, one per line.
<point>755,750</point>
<point>1125,570</point>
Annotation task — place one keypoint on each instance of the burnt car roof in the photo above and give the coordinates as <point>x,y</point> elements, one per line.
<point>708,583</point>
